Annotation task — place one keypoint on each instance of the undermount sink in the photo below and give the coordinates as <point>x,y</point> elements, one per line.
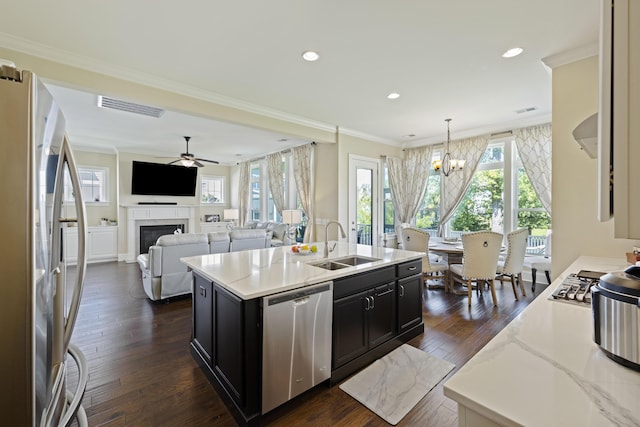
<point>329,265</point>
<point>355,260</point>
<point>344,262</point>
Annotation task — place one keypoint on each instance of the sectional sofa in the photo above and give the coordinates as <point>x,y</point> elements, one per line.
<point>165,276</point>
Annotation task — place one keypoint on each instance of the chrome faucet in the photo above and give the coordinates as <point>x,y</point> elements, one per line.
<point>326,236</point>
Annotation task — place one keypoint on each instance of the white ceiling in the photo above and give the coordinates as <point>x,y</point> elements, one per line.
<point>444,58</point>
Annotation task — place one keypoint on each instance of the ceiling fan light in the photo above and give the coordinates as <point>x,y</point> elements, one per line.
<point>186,163</point>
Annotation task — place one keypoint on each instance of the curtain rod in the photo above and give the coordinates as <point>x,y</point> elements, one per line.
<point>288,150</point>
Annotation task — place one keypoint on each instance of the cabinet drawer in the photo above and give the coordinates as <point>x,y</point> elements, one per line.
<point>359,282</point>
<point>409,268</point>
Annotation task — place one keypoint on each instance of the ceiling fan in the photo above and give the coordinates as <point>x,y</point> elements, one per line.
<point>188,160</point>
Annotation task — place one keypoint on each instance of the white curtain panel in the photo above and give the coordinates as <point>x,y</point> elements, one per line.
<point>245,192</point>
<point>534,146</point>
<point>455,185</point>
<point>304,175</point>
<point>408,179</point>
<point>274,173</point>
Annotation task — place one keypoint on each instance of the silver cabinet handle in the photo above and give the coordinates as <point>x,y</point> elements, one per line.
<point>373,303</point>
<point>203,291</point>
<point>385,292</point>
<point>368,303</point>
<point>401,290</point>
<point>413,268</point>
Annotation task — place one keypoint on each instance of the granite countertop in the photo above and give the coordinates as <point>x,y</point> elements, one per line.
<point>544,368</point>
<point>261,272</point>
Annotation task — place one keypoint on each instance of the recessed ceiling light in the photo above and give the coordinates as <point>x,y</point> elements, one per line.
<point>393,95</point>
<point>310,55</point>
<point>512,52</point>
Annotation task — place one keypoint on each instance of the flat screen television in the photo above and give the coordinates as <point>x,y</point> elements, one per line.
<point>157,179</point>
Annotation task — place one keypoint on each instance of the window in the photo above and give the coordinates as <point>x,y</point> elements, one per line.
<point>530,213</point>
<point>94,182</point>
<point>262,206</point>
<point>387,204</point>
<point>482,207</point>
<point>211,189</point>
<point>428,217</point>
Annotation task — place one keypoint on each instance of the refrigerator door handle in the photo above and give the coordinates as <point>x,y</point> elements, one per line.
<point>66,156</point>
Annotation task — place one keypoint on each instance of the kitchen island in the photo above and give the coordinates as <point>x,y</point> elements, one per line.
<point>375,306</point>
<point>544,369</point>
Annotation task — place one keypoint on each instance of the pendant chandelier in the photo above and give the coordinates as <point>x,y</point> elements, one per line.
<point>448,164</point>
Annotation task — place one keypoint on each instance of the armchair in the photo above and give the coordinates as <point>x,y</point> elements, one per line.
<point>163,274</point>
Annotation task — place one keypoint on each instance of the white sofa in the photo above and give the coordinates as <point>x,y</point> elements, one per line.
<point>165,276</point>
<point>278,232</point>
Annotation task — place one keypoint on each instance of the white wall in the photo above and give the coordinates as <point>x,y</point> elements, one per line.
<point>576,230</point>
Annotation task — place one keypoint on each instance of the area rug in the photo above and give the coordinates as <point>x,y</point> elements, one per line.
<point>394,384</point>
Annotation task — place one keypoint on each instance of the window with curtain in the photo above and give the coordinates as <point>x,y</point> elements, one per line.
<point>428,217</point>
<point>262,206</point>
<point>388,213</point>
<point>500,197</point>
<point>256,194</point>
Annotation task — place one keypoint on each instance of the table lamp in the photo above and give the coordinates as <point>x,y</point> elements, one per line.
<point>231,215</point>
<point>291,217</point>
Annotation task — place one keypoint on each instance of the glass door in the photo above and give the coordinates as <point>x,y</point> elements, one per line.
<point>363,200</point>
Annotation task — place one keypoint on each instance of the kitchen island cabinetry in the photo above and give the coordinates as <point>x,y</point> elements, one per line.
<point>228,312</point>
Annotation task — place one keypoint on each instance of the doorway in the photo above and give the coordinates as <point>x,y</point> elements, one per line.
<point>363,200</point>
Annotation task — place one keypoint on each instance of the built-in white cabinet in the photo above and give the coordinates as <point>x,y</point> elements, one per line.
<point>102,244</point>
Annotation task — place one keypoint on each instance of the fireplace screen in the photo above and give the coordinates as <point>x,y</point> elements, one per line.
<point>150,233</point>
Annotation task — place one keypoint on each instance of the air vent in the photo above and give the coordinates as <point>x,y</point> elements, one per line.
<point>117,104</point>
<point>526,110</point>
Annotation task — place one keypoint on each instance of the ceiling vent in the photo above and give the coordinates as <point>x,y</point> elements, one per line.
<point>526,110</point>
<point>118,104</point>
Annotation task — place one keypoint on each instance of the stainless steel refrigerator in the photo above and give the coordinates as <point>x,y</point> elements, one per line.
<point>38,310</point>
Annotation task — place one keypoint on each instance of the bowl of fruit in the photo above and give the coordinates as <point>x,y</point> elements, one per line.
<point>303,249</point>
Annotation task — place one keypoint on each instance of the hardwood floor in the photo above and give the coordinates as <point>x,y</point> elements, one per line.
<point>141,372</point>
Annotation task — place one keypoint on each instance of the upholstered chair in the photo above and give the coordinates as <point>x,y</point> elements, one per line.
<point>543,263</point>
<point>511,267</point>
<point>414,239</point>
<point>481,250</point>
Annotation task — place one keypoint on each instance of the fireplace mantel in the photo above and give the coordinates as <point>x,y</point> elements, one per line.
<point>138,215</point>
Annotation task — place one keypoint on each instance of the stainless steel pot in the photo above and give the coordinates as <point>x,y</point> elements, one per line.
<point>615,302</point>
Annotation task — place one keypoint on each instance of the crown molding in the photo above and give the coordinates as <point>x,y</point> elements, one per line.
<point>484,130</point>
<point>569,56</point>
<point>50,53</point>
<point>368,137</point>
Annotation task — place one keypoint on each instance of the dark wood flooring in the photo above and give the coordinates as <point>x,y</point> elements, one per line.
<point>141,372</point>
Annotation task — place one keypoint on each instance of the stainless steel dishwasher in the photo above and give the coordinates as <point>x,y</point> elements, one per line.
<point>296,342</point>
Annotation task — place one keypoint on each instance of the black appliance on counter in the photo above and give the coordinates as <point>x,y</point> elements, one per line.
<point>615,302</point>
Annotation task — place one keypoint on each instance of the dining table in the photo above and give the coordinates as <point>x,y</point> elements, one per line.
<point>451,252</point>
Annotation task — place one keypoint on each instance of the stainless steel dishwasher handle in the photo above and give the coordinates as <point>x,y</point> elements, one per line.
<point>300,301</point>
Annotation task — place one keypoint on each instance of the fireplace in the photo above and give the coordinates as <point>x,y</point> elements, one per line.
<point>148,215</point>
<point>150,233</point>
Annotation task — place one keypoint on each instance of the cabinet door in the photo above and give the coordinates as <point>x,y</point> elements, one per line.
<point>349,328</point>
<point>202,316</point>
<point>103,243</point>
<point>409,302</point>
<point>228,341</point>
<point>382,314</point>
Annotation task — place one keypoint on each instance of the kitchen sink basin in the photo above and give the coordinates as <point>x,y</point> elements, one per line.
<point>329,265</point>
<point>355,260</point>
<point>344,262</point>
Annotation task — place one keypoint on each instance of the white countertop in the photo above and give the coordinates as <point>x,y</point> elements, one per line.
<point>544,368</point>
<point>260,272</point>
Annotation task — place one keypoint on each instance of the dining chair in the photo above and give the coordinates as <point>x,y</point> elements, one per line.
<point>481,250</point>
<point>414,239</point>
<point>511,267</point>
<point>543,263</point>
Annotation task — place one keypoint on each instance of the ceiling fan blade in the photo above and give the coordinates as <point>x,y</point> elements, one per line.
<point>197,163</point>
<point>210,161</point>
<point>174,162</point>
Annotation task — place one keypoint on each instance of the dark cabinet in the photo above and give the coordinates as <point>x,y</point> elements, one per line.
<point>409,302</point>
<point>226,336</point>
<point>362,321</point>
<point>202,316</point>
